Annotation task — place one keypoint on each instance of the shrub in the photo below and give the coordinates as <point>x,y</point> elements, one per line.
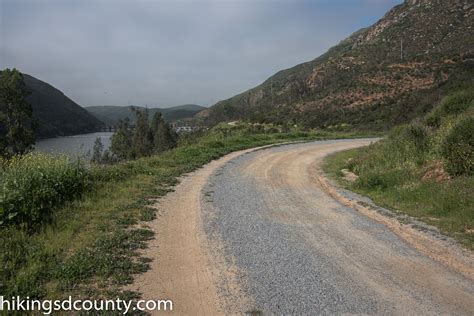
<point>458,103</point>
<point>252,129</point>
<point>417,135</point>
<point>454,104</point>
<point>33,184</point>
<point>407,143</point>
<point>272,130</point>
<point>458,148</point>
<point>434,118</point>
<point>382,179</point>
<point>372,180</point>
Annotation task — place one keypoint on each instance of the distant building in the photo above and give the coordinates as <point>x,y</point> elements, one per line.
<point>188,129</point>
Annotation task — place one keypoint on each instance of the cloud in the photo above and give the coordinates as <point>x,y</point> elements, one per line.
<point>164,53</point>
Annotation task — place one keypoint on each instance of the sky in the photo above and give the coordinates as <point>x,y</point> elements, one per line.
<point>165,53</point>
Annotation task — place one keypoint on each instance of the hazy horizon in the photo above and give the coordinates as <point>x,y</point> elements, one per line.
<point>164,53</point>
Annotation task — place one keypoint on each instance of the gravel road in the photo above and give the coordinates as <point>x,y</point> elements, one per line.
<point>258,230</point>
<point>296,250</point>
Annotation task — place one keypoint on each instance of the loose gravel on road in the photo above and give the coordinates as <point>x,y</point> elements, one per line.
<point>298,251</point>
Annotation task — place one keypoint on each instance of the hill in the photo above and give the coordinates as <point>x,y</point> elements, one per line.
<point>56,114</point>
<point>110,114</point>
<point>378,77</point>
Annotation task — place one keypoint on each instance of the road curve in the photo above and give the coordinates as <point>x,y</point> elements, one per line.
<point>300,251</point>
<point>269,238</point>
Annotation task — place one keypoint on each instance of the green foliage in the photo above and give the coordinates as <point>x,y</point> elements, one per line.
<point>33,185</point>
<point>145,139</point>
<point>142,142</point>
<point>91,239</point>
<point>445,204</point>
<point>404,148</point>
<point>451,105</point>
<point>97,151</point>
<point>417,135</point>
<point>458,102</point>
<point>17,248</point>
<point>101,157</point>
<point>121,141</point>
<point>105,259</point>
<point>410,143</point>
<point>425,171</point>
<point>163,137</point>
<point>458,148</point>
<point>382,180</point>
<point>89,249</point>
<point>15,114</point>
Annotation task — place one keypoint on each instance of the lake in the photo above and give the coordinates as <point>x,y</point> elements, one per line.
<point>76,145</point>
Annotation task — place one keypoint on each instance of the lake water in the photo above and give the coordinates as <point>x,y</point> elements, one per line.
<point>76,145</point>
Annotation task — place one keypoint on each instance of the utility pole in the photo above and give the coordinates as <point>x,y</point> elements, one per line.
<point>401,48</point>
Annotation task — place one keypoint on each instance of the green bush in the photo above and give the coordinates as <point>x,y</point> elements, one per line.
<point>372,180</point>
<point>454,104</point>
<point>405,144</point>
<point>458,103</point>
<point>434,118</point>
<point>458,148</point>
<point>33,184</point>
<point>417,135</point>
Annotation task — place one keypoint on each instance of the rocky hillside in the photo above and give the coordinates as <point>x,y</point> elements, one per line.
<point>55,113</point>
<point>380,76</point>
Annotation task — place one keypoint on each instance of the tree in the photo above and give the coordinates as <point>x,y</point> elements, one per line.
<point>3,130</point>
<point>142,142</point>
<point>108,157</point>
<point>16,123</point>
<point>98,151</point>
<point>121,141</point>
<point>163,137</point>
<point>146,139</point>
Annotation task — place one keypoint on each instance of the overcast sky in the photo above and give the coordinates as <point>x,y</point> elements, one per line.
<point>165,53</point>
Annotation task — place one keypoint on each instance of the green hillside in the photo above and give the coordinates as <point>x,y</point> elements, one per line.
<point>110,114</point>
<point>379,77</point>
<point>55,113</point>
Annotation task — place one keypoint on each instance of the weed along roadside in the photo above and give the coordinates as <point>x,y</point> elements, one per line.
<point>424,169</point>
<point>86,242</point>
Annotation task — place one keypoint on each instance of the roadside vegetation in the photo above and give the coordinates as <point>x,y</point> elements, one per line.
<point>70,227</point>
<point>16,115</point>
<point>424,169</point>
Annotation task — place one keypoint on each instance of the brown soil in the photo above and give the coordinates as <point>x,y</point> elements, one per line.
<point>451,256</point>
<point>185,267</point>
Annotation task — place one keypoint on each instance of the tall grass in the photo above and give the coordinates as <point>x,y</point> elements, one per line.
<point>33,185</point>
<point>424,168</point>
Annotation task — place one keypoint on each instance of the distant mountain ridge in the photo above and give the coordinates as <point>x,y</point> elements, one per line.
<point>378,77</point>
<point>111,115</point>
<point>55,113</point>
